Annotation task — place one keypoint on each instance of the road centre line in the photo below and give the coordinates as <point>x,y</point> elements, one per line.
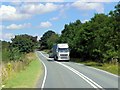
<point>88,80</point>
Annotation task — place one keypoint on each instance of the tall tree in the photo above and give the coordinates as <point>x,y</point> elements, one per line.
<point>44,39</point>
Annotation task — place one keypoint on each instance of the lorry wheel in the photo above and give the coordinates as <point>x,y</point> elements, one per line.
<point>55,58</point>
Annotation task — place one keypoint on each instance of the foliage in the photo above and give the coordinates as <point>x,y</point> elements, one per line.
<point>20,45</point>
<point>5,51</point>
<point>12,77</point>
<point>15,54</point>
<point>109,67</point>
<point>52,40</point>
<point>48,39</point>
<point>25,43</point>
<point>97,39</point>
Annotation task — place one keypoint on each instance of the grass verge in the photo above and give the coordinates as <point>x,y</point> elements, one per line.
<point>106,66</point>
<point>47,51</point>
<point>26,78</point>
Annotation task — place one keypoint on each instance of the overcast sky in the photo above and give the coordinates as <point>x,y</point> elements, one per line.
<point>35,18</point>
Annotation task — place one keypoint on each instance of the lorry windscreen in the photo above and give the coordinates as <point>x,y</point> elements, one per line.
<point>63,50</point>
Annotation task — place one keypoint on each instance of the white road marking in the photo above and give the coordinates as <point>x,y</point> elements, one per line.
<point>99,70</point>
<point>43,83</point>
<point>88,80</point>
<point>46,56</point>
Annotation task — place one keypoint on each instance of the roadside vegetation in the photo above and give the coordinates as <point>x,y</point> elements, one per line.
<point>17,56</point>
<point>28,77</point>
<point>96,40</point>
<point>111,66</point>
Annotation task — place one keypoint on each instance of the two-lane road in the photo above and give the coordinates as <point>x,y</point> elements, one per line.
<point>73,75</point>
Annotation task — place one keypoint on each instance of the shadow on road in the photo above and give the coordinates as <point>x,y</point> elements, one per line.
<point>52,60</point>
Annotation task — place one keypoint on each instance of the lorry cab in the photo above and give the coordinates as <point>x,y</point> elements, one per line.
<point>61,52</point>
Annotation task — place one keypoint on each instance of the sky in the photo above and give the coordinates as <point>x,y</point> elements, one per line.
<point>36,17</point>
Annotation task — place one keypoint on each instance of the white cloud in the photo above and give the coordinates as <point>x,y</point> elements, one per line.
<point>59,0</point>
<point>26,10</point>
<point>46,24</point>
<point>6,36</point>
<point>10,13</point>
<point>89,6</point>
<point>96,0</point>
<point>84,21</point>
<point>14,27</point>
<point>39,8</point>
<point>54,18</point>
<point>2,27</point>
<point>16,3</point>
<point>34,0</point>
<point>62,12</point>
<point>17,26</point>
<point>52,0</point>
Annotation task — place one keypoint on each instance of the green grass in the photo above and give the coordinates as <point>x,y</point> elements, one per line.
<point>106,66</point>
<point>26,78</point>
<point>46,50</point>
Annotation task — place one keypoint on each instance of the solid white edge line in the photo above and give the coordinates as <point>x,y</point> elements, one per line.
<point>104,71</point>
<point>88,80</point>
<point>46,57</point>
<point>99,70</point>
<point>45,75</point>
<point>91,82</point>
<point>77,74</point>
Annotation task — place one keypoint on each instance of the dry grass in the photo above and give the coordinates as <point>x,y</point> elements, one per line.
<point>110,67</point>
<point>26,78</point>
<point>15,66</point>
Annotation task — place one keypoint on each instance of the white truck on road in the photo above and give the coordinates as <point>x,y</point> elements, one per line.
<point>61,52</point>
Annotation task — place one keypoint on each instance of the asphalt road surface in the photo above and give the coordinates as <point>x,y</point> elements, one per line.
<point>73,75</point>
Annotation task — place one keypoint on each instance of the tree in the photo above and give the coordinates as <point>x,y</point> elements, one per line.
<point>5,51</point>
<point>53,39</point>
<point>68,35</point>
<point>25,43</point>
<point>44,42</point>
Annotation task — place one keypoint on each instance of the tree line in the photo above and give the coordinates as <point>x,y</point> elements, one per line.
<point>97,39</point>
<point>18,48</point>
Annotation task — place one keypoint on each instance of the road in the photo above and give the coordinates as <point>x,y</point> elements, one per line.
<point>74,75</point>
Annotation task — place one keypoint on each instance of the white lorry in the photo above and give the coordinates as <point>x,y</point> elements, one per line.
<point>60,52</point>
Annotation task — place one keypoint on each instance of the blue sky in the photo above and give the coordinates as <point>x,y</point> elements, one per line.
<point>35,18</point>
